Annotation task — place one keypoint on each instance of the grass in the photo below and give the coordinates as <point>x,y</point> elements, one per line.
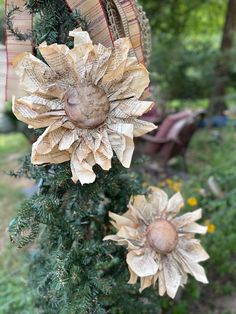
<point>14,295</point>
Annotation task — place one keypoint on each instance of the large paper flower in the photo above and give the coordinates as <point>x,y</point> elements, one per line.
<point>160,246</point>
<point>87,98</point>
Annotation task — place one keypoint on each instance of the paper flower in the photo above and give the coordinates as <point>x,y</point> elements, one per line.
<point>160,246</point>
<point>87,98</point>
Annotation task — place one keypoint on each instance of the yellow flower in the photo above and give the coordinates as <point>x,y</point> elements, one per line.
<point>211,228</point>
<point>192,201</point>
<point>169,182</point>
<point>177,186</point>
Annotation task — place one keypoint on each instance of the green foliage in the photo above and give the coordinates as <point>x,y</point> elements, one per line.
<point>186,40</point>
<point>73,270</point>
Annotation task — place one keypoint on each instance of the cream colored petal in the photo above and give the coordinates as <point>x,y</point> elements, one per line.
<point>58,58</point>
<point>174,205</point>
<point>194,228</point>
<point>133,84</point>
<point>128,233</point>
<point>35,75</point>
<point>120,220</point>
<point>162,284</point>
<point>102,160</point>
<point>81,38</point>
<point>81,170</point>
<point>142,209</point>
<point>103,152</point>
<point>101,63</point>
<point>69,137</point>
<point>142,127</point>
<point>197,271</point>
<point>159,200</point>
<point>41,104</point>
<point>54,157</point>
<point>142,265</point>
<point>187,218</point>
<point>172,275</point>
<point>117,63</point>
<point>133,277</point>
<point>24,113</point>
<point>191,250</point>
<point>50,138</point>
<point>127,108</point>
<point>145,282</point>
<point>191,267</point>
<point>121,139</point>
<point>132,245</point>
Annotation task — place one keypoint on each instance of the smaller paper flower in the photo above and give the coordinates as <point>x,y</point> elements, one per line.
<point>160,246</point>
<point>192,201</point>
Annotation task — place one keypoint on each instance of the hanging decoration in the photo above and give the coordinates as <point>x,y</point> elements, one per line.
<point>107,20</point>
<point>87,98</point>
<point>161,246</point>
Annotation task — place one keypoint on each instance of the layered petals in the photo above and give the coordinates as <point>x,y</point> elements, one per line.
<point>161,247</point>
<point>91,93</point>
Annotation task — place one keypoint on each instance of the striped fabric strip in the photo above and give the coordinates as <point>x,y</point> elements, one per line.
<point>93,12</point>
<point>22,21</point>
<point>131,25</point>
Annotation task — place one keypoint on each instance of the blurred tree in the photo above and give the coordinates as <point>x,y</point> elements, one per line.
<point>217,102</point>
<point>186,44</point>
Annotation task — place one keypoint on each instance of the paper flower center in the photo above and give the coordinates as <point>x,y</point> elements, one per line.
<point>162,236</point>
<point>86,106</point>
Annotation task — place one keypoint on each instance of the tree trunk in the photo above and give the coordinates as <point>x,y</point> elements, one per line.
<point>217,103</point>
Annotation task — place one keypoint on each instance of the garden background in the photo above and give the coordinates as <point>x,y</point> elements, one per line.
<point>192,66</point>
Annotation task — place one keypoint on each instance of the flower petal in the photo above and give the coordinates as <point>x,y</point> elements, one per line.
<point>142,265</point>
<point>35,75</point>
<point>145,282</point>
<point>159,200</point>
<point>101,62</point>
<point>50,138</point>
<point>42,104</point>
<point>81,38</point>
<point>55,156</point>
<point>124,242</point>
<point>187,218</point>
<point>194,228</point>
<point>23,111</point>
<point>133,277</point>
<point>142,127</point>
<point>81,169</point>
<point>191,267</point>
<point>174,205</point>
<point>133,84</point>
<point>132,107</point>
<point>121,139</point>
<point>69,137</point>
<point>191,250</point>
<point>117,64</point>
<point>120,220</point>
<point>142,209</point>
<point>172,275</point>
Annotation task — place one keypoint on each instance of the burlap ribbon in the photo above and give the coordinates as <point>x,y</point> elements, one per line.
<point>107,21</point>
